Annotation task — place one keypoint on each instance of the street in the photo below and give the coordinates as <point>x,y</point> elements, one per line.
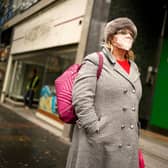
<point>24,144</point>
<point>155,151</point>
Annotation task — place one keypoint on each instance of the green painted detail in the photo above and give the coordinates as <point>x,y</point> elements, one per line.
<point>159,116</point>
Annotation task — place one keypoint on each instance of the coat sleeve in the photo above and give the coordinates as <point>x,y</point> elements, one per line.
<point>83,95</point>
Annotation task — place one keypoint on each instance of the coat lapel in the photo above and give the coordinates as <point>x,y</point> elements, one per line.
<point>121,71</point>
<point>134,72</point>
<point>132,76</point>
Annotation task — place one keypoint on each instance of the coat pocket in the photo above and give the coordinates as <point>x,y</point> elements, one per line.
<point>102,124</point>
<point>95,136</point>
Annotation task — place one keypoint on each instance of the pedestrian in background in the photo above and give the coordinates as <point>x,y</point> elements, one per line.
<point>31,88</point>
<point>106,132</point>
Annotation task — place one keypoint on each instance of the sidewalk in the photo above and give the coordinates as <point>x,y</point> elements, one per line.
<point>30,115</point>
<point>153,145</point>
<point>24,144</point>
<point>155,149</point>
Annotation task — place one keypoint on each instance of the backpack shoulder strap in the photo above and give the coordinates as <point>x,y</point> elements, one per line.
<point>100,66</point>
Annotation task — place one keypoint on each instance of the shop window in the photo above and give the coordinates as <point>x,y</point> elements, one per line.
<point>49,65</point>
<point>55,66</point>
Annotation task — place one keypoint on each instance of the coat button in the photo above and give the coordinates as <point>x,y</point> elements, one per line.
<point>133,108</point>
<point>78,124</point>
<point>99,118</point>
<point>97,131</point>
<point>124,109</point>
<point>133,91</point>
<point>122,126</point>
<point>120,145</point>
<point>132,126</point>
<point>125,91</point>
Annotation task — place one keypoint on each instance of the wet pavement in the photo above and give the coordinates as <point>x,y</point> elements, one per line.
<point>26,145</point>
<point>155,149</point>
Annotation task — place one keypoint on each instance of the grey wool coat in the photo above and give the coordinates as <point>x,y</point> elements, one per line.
<point>106,133</point>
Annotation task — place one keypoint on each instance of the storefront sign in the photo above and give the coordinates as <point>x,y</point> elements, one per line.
<point>57,26</point>
<point>37,32</point>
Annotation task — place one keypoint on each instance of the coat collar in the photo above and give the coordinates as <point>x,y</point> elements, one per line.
<point>134,73</point>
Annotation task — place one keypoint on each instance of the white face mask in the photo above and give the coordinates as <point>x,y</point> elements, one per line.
<point>123,41</point>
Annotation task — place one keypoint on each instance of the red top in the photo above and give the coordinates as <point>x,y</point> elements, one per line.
<point>125,64</point>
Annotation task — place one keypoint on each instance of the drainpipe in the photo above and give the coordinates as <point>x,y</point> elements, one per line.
<point>93,25</point>
<point>67,133</point>
<point>164,22</point>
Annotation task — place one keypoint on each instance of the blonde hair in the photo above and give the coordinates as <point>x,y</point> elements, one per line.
<point>130,54</point>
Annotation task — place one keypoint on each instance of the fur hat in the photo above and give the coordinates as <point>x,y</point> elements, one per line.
<point>117,24</point>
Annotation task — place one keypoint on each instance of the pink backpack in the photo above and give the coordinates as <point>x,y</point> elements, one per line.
<point>64,85</point>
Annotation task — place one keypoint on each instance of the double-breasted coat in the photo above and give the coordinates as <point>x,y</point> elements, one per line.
<point>106,133</point>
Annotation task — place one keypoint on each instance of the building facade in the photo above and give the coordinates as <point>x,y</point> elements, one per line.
<point>52,35</point>
<point>47,40</point>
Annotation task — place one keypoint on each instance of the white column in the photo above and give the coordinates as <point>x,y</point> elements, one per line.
<point>80,53</point>
<point>85,31</point>
<point>66,132</point>
<point>13,77</point>
<point>6,80</point>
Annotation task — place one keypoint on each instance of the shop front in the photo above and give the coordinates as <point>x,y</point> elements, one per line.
<point>4,54</point>
<point>47,42</point>
<point>49,64</point>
